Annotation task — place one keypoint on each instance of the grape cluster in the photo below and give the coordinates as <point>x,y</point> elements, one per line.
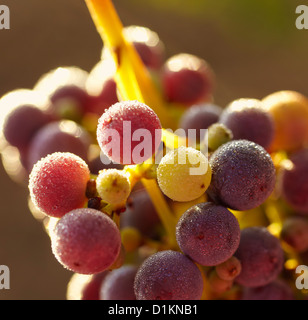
<point>135,215</point>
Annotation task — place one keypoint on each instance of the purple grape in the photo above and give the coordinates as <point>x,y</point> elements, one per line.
<point>140,213</point>
<point>261,256</point>
<point>101,162</point>
<point>102,87</point>
<point>66,88</point>
<point>187,80</point>
<point>22,123</point>
<point>249,120</point>
<point>294,182</point>
<point>148,45</point>
<point>168,275</point>
<point>295,233</point>
<point>200,117</point>
<point>70,102</point>
<point>62,77</point>
<point>119,284</point>
<point>85,287</point>
<point>243,175</point>
<point>86,241</point>
<point>106,98</point>
<point>208,234</point>
<point>60,136</point>
<point>277,290</point>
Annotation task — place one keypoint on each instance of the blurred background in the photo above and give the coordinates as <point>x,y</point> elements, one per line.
<point>253,47</point>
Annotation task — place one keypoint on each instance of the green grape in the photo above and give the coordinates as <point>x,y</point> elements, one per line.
<point>184,174</point>
<point>113,186</point>
<point>218,134</point>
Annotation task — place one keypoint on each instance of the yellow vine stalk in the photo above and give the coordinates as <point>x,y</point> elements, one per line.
<point>134,83</point>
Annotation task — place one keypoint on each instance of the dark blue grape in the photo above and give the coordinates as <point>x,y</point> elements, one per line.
<point>261,256</point>
<point>243,175</point>
<point>208,234</point>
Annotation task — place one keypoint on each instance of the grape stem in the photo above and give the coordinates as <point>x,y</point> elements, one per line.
<point>132,77</point>
<point>134,82</point>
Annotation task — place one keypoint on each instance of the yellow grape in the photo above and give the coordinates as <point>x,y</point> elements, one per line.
<point>184,174</point>
<point>113,186</point>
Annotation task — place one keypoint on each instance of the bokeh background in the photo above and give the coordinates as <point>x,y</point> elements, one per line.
<point>252,45</point>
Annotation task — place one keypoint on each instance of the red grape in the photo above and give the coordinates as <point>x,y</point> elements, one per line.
<point>187,79</point>
<point>58,183</point>
<point>86,241</point>
<point>134,129</point>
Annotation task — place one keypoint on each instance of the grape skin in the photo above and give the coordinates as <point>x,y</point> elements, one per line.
<point>140,213</point>
<point>86,241</point>
<point>295,233</point>
<point>70,96</point>
<point>294,182</point>
<point>22,123</point>
<point>261,256</point>
<point>119,284</point>
<point>113,186</point>
<point>187,79</point>
<point>243,177</point>
<point>148,45</point>
<point>199,117</point>
<point>85,287</point>
<point>58,184</point>
<point>277,290</point>
<point>138,116</point>
<point>249,120</point>
<point>208,234</point>
<point>60,136</point>
<point>168,275</point>
<point>176,169</point>
<point>230,269</point>
<point>290,113</point>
